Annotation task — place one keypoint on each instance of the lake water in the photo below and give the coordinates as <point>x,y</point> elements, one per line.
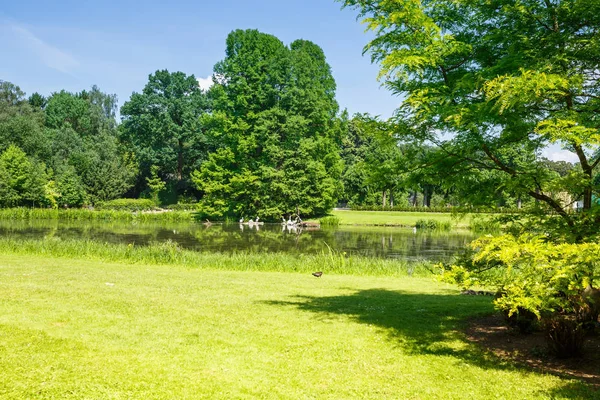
<point>367,241</point>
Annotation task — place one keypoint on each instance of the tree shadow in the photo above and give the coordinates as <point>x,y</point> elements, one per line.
<point>420,323</point>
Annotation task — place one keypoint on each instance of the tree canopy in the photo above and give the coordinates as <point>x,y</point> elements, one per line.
<point>274,120</point>
<point>484,80</point>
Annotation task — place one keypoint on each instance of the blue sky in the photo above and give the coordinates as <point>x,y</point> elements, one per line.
<point>48,46</point>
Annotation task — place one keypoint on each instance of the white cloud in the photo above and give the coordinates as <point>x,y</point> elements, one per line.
<point>560,155</point>
<point>205,83</point>
<point>51,56</point>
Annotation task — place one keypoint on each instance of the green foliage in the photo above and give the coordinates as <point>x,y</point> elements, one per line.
<point>77,214</point>
<point>492,84</point>
<point>127,205</point>
<point>330,220</point>
<point>163,125</point>
<point>274,119</point>
<point>51,194</point>
<point>554,282</point>
<point>22,181</point>
<point>485,224</point>
<point>155,184</point>
<point>70,188</point>
<point>433,225</point>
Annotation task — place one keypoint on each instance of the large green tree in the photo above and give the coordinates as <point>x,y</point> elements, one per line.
<point>164,127</point>
<point>483,79</point>
<point>275,121</point>
<point>84,137</point>
<point>21,124</point>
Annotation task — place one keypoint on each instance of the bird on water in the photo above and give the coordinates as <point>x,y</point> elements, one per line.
<point>317,274</point>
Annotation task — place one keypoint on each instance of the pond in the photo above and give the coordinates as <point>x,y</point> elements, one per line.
<point>367,241</point>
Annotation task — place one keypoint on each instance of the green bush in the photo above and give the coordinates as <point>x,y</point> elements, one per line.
<point>433,225</point>
<point>330,220</point>
<point>83,214</point>
<point>183,207</point>
<point>127,205</point>
<point>554,283</point>
<point>484,225</point>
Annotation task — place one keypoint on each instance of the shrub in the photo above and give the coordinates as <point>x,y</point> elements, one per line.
<point>556,283</point>
<point>127,205</point>
<point>330,220</point>
<point>183,207</point>
<point>485,225</point>
<point>431,224</point>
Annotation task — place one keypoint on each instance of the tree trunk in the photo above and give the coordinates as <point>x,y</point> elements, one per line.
<point>519,203</point>
<point>427,192</point>
<point>391,199</point>
<point>383,199</point>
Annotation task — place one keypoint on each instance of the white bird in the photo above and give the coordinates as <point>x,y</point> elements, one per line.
<point>242,220</point>
<point>257,219</point>
<point>415,229</point>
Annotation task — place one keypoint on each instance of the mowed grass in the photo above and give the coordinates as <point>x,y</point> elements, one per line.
<point>97,330</point>
<point>397,218</point>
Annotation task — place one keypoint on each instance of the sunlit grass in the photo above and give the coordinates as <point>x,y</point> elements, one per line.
<point>398,218</point>
<point>88,329</point>
<point>81,214</point>
<point>169,253</point>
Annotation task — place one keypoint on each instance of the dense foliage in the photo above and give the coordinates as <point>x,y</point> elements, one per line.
<point>274,118</point>
<point>491,84</point>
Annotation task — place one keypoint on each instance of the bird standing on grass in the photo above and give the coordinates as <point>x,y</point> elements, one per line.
<point>317,274</point>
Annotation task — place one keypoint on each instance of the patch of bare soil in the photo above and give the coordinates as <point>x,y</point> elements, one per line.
<point>492,334</point>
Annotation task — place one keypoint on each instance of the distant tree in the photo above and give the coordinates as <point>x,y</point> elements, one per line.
<point>20,124</point>
<point>163,126</point>
<point>85,137</point>
<point>21,180</point>
<point>71,191</point>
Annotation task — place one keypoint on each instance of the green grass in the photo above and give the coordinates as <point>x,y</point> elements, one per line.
<point>169,253</point>
<point>398,218</point>
<point>78,214</point>
<point>74,329</point>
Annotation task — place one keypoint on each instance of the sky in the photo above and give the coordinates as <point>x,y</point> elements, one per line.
<point>72,45</point>
<point>47,46</point>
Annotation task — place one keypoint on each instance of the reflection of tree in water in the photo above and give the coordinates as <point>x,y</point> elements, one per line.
<point>370,242</point>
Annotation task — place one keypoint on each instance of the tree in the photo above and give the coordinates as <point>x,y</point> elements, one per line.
<point>22,181</point>
<point>20,124</point>
<point>481,77</point>
<point>163,125</point>
<point>71,192</point>
<point>84,137</point>
<point>274,118</point>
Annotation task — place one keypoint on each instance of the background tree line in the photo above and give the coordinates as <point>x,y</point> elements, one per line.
<point>267,139</point>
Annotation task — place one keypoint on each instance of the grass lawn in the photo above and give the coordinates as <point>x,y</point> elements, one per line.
<point>93,329</point>
<point>396,218</point>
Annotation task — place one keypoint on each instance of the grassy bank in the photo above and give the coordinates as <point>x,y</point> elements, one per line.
<point>89,329</point>
<point>398,218</point>
<point>169,253</point>
<point>99,215</point>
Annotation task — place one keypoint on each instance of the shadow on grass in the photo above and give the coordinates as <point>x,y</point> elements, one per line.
<point>421,324</point>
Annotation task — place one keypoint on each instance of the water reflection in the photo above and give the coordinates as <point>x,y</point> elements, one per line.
<point>367,241</point>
